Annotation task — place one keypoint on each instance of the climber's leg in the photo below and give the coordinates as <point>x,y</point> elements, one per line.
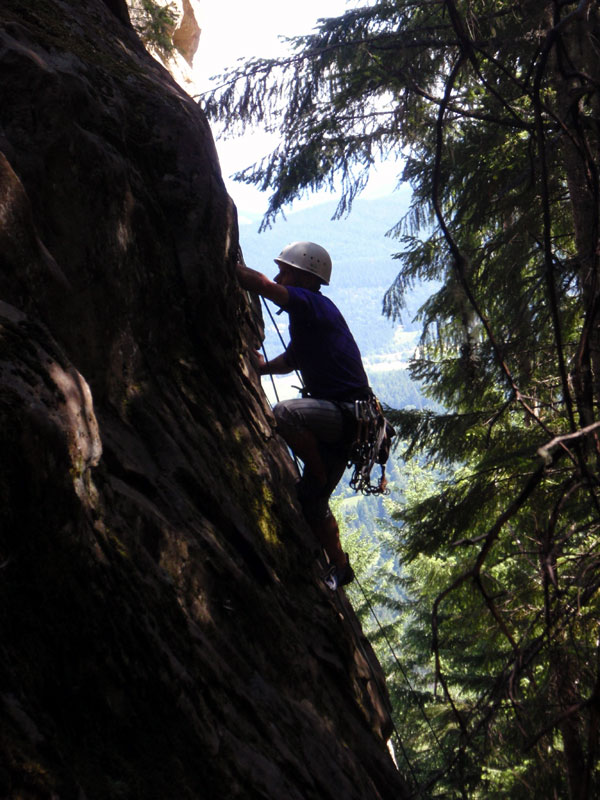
<point>307,423</point>
<point>327,533</point>
<point>314,430</point>
<point>320,517</point>
<point>305,445</point>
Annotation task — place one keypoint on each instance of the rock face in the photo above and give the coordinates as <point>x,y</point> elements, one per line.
<point>163,632</point>
<point>187,33</point>
<point>185,37</point>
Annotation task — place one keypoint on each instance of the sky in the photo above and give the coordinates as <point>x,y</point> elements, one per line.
<point>233,29</point>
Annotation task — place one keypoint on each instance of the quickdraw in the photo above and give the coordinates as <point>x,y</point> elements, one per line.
<point>371,445</point>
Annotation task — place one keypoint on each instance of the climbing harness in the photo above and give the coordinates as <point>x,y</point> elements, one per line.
<point>371,445</point>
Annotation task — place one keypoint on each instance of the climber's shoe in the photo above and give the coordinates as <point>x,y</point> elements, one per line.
<point>339,575</point>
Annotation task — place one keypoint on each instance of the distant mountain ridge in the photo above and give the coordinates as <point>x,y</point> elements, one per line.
<point>357,243</point>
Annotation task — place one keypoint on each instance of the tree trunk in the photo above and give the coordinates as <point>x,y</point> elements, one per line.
<point>577,74</point>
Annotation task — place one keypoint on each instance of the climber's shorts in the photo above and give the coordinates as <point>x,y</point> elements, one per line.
<point>322,417</point>
<point>326,421</point>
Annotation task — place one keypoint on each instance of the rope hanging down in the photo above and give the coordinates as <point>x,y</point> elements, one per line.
<point>273,321</point>
<point>395,729</point>
<point>421,789</point>
<point>264,352</point>
<point>240,255</point>
<point>266,305</point>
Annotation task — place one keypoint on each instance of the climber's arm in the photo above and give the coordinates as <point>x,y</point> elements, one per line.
<point>255,281</point>
<point>276,366</point>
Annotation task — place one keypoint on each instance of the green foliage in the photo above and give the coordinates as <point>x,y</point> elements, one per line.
<point>154,23</point>
<point>495,108</point>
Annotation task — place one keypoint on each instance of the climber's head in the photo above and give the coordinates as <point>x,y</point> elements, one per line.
<point>307,257</point>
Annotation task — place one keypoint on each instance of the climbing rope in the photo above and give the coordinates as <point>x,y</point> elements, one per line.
<point>396,659</point>
<point>271,376</point>
<point>420,789</point>
<point>272,318</point>
<point>283,344</point>
<point>275,392</point>
<point>395,729</point>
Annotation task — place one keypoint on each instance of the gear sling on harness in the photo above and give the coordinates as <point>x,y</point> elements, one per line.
<point>370,445</point>
<point>368,436</point>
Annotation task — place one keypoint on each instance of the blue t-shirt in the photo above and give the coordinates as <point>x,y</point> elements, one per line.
<point>321,346</point>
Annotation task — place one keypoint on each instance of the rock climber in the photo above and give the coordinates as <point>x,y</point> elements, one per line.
<point>323,350</point>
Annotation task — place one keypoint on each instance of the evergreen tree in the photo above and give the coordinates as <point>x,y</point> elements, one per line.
<point>495,108</point>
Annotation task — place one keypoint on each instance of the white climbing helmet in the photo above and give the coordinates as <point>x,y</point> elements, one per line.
<point>309,257</point>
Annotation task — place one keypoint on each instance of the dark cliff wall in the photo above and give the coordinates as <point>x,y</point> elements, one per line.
<point>163,632</point>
